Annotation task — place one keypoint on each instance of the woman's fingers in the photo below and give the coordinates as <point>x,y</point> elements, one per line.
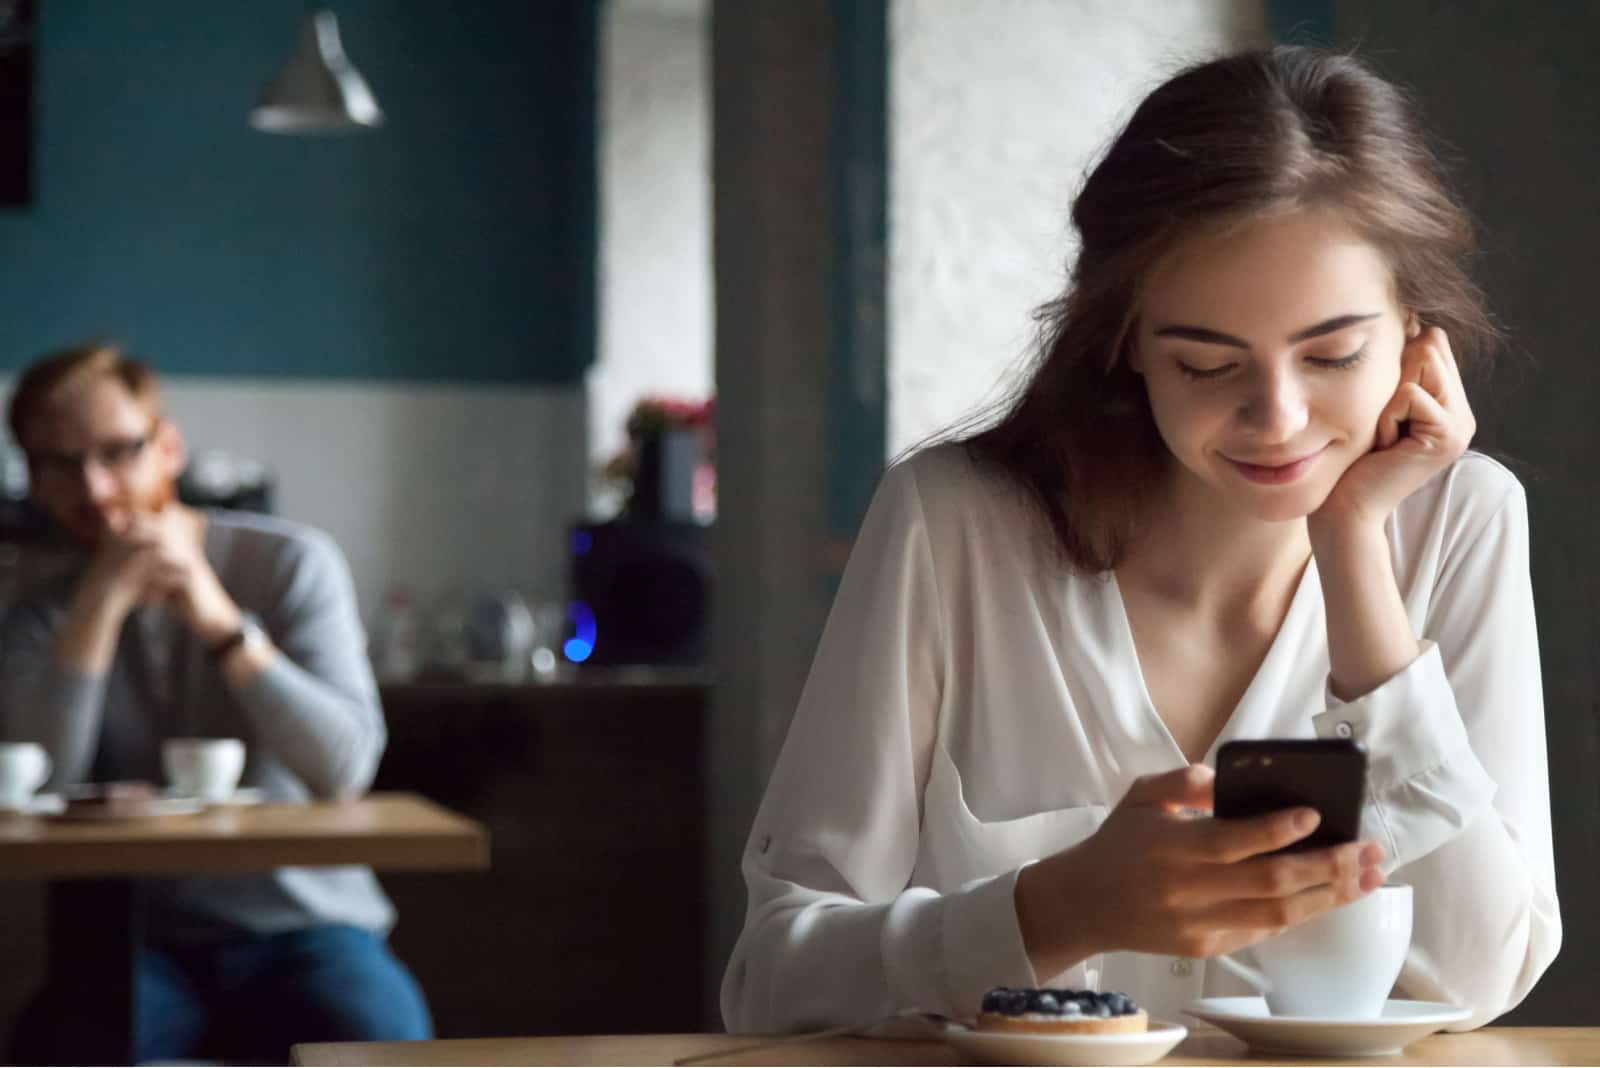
<point>1186,787</point>
<point>1229,841</point>
<point>1271,914</point>
<point>1431,363</point>
<point>1285,873</point>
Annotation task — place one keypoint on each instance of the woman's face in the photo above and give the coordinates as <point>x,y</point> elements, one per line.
<point>1268,352</point>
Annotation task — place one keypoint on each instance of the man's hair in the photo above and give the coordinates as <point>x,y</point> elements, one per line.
<point>70,368</point>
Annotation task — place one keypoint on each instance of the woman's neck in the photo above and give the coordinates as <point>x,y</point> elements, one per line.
<point>1202,557</point>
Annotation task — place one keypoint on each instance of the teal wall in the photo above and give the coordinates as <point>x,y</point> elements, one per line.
<point>1307,22</point>
<point>455,243</point>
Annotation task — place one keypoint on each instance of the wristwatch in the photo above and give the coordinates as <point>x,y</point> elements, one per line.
<point>249,630</point>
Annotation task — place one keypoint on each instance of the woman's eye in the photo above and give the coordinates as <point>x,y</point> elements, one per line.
<point>1340,363</point>
<point>1204,372</point>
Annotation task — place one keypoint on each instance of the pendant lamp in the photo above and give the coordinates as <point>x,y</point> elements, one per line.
<point>318,90</point>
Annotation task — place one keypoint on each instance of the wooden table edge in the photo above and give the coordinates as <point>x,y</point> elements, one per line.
<point>460,846</point>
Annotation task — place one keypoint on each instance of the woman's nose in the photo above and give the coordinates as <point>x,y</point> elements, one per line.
<point>1276,407</point>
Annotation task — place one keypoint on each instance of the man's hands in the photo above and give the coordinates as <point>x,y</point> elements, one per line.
<point>175,570</point>
<point>157,559</point>
<point>1155,879</point>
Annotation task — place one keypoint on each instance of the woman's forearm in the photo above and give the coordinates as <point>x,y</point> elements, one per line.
<point>1370,639</point>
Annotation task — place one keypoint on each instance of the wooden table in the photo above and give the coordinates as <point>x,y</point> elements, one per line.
<point>95,927</point>
<point>1490,1045</point>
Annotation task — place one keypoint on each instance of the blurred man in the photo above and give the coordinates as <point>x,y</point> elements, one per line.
<point>182,622</point>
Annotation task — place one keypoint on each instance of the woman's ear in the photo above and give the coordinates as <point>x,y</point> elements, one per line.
<point>1413,325</point>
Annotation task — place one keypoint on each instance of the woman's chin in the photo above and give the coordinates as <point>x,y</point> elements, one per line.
<point>1285,505</point>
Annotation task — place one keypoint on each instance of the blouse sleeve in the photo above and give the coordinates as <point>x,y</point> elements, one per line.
<point>834,932</point>
<point>1459,792</point>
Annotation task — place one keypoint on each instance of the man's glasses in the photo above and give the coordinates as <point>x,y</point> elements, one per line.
<point>114,454</point>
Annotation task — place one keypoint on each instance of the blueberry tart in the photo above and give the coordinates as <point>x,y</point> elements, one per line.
<point>1060,1012</point>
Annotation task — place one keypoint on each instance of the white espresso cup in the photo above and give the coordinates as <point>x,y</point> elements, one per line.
<point>24,766</point>
<point>1339,965</point>
<point>207,768</point>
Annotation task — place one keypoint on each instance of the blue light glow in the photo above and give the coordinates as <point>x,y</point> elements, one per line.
<point>580,646</point>
<point>582,542</point>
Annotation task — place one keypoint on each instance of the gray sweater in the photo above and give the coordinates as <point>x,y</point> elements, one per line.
<point>311,723</point>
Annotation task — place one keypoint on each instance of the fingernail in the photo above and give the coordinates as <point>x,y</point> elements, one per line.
<point>1306,820</point>
<point>1371,856</point>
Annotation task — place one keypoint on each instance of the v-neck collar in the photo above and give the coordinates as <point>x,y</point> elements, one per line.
<point>1256,704</point>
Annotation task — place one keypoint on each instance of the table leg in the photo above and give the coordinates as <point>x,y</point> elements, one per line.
<point>95,929</point>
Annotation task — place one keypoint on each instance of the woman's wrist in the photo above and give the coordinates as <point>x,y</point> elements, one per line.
<point>1370,638</point>
<point>1339,536</point>
<point>1043,897</point>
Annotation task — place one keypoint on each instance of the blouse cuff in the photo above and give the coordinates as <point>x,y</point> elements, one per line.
<point>1424,782</point>
<point>971,941</point>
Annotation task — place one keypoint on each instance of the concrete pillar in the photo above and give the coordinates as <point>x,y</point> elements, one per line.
<point>799,185</point>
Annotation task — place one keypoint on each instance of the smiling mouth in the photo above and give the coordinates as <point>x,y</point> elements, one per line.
<point>1276,474</point>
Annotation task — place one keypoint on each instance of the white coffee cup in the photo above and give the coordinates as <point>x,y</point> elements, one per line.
<point>207,768</point>
<point>1339,965</point>
<point>24,767</point>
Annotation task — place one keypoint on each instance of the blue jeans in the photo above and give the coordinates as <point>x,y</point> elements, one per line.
<point>249,1001</point>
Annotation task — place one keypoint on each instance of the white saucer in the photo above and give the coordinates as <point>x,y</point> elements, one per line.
<point>240,798</point>
<point>1009,1047</point>
<point>37,805</point>
<point>1402,1022</point>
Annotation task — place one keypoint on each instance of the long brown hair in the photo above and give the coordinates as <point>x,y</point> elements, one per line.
<point>1223,141</point>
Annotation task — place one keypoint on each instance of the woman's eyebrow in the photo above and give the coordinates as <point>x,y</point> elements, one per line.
<point>1216,337</point>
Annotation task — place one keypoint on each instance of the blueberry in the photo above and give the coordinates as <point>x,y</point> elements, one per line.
<point>1006,1001</point>
<point>1044,1001</point>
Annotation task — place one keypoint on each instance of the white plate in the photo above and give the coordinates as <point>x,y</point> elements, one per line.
<point>1009,1047</point>
<point>152,808</point>
<point>37,805</point>
<point>1402,1022</point>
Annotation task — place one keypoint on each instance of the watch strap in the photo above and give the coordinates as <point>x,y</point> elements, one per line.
<point>246,629</point>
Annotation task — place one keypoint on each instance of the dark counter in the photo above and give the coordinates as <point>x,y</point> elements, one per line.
<point>590,917</point>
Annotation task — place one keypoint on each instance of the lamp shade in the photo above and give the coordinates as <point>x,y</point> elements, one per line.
<point>318,90</point>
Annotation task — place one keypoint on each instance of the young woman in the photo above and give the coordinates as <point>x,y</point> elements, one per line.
<point>1233,500</point>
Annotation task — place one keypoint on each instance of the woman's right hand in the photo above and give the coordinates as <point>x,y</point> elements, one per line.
<point>1156,879</point>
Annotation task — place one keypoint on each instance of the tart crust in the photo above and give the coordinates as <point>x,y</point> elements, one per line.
<point>1039,1023</point>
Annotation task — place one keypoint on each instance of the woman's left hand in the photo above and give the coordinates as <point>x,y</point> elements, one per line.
<point>1425,426</point>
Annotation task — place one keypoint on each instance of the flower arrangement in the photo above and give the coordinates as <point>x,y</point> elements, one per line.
<point>655,416</point>
<point>663,413</point>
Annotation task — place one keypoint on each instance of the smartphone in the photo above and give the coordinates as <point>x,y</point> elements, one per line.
<point>1327,774</point>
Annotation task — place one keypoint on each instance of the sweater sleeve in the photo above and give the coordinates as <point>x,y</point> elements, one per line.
<point>316,706</point>
<point>42,702</point>
<point>1458,783</point>
<point>834,932</point>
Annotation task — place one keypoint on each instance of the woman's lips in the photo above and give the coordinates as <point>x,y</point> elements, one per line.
<point>1276,474</point>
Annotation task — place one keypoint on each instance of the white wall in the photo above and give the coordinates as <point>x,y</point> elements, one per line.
<point>997,109</point>
<point>655,211</point>
<point>447,489</point>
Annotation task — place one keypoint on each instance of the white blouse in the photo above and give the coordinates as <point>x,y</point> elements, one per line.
<point>974,706</point>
